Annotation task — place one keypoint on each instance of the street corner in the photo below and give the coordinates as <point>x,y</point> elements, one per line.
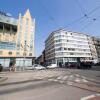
<point>92,97</point>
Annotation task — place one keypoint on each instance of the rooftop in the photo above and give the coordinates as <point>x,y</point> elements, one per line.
<point>8,19</point>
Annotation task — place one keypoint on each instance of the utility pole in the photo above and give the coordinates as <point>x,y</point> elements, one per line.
<point>24,54</point>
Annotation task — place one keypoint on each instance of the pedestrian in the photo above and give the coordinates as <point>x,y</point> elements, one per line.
<point>10,66</point>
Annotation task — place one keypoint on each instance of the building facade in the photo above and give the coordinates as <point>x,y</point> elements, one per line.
<point>25,35</point>
<point>16,39</point>
<point>65,46</point>
<point>8,34</point>
<point>41,59</point>
<point>96,41</point>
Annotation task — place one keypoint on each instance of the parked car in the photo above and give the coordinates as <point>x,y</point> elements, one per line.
<point>72,65</point>
<point>1,67</point>
<point>38,67</point>
<point>86,65</point>
<point>29,68</point>
<point>52,66</point>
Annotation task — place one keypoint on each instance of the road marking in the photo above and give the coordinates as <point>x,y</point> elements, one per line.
<point>77,80</point>
<point>84,80</point>
<point>60,77</point>
<point>69,83</point>
<point>65,77</point>
<point>55,80</point>
<point>61,81</point>
<point>83,77</point>
<point>77,75</point>
<point>71,76</point>
<point>90,97</point>
<point>50,79</point>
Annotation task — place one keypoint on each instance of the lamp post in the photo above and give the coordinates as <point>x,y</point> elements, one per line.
<point>24,52</point>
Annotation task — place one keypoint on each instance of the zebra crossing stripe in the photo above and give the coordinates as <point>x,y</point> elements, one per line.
<point>69,83</point>
<point>77,75</point>
<point>50,79</point>
<point>64,78</point>
<point>84,80</point>
<point>61,81</point>
<point>60,77</point>
<point>77,80</point>
<point>83,77</point>
<point>55,80</point>
<point>71,76</point>
<point>89,97</point>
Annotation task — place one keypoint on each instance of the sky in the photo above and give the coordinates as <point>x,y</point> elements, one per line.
<point>50,15</point>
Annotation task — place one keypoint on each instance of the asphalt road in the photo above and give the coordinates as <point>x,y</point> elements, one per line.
<point>42,90</point>
<point>43,87</point>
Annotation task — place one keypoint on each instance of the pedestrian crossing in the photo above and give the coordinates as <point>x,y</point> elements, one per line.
<point>76,80</point>
<point>69,79</point>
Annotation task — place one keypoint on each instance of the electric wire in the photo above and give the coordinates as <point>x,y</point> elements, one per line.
<point>81,8</point>
<point>91,23</point>
<point>84,16</point>
<point>48,13</point>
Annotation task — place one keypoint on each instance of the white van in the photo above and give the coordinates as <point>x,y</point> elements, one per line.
<point>52,66</point>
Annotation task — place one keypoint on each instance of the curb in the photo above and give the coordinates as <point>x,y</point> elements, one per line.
<point>84,86</point>
<point>78,85</point>
<point>87,87</point>
<point>3,79</point>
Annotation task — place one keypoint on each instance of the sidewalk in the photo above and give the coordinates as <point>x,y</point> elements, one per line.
<point>3,79</point>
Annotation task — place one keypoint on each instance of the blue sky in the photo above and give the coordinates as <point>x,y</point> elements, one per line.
<point>51,15</point>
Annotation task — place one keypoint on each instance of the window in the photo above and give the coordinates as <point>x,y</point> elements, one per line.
<point>72,49</point>
<point>10,53</point>
<point>1,52</point>
<point>17,53</point>
<point>65,48</point>
<point>30,54</point>
<point>27,21</point>
<point>71,33</point>
<point>1,26</point>
<point>71,53</point>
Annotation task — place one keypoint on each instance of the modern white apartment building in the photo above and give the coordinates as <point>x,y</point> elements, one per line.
<point>66,46</point>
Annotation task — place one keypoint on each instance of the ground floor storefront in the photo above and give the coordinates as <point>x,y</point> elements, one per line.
<point>19,61</point>
<point>62,61</point>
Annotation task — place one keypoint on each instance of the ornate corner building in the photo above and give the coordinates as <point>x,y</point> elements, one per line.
<point>17,39</point>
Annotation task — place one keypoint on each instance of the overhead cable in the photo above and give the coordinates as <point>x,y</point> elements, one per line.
<point>89,24</point>
<point>48,13</point>
<point>83,17</point>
